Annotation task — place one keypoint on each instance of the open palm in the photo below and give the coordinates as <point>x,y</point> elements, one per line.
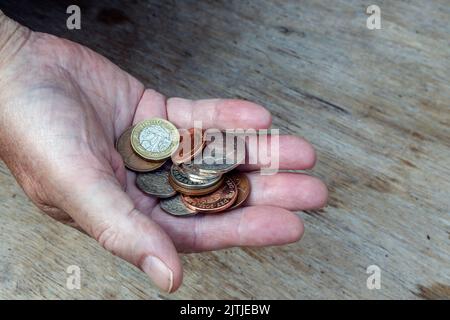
<point>60,116</point>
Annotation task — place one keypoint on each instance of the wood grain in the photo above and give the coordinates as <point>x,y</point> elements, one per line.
<point>376,105</point>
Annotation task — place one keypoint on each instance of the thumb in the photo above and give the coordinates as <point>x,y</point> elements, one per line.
<point>98,204</point>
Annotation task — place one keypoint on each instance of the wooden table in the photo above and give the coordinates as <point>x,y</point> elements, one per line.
<point>375,103</point>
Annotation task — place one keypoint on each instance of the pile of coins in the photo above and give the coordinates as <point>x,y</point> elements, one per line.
<point>188,172</point>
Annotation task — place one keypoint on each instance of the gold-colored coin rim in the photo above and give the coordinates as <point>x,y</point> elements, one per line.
<point>149,155</point>
<point>242,196</point>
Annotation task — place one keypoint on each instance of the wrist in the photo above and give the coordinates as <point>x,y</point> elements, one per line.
<point>12,37</point>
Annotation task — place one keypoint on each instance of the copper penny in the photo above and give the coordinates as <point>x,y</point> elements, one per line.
<point>191,144</point>
<point>243,186</point>
<point>131,160</point>
<point>219,200</point>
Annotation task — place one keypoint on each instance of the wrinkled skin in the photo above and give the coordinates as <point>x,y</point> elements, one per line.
<point>62,107</point>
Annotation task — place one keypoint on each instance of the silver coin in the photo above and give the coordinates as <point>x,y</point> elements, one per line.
<point>176,207</point>
<point>216,159</point>
<point>155,138</point>
<point>181,179</point>
<point>156,183</point>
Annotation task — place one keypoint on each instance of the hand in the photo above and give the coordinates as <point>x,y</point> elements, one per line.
<point>62,107</point>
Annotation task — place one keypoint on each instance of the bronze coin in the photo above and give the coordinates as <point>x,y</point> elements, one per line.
<point>243,186</point>
<point>191,144</point>
<point>219,200</point>
<point>131,160</point>
<point>195,192</point>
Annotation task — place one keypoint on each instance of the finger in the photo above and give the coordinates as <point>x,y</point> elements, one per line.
<point>246,226</point>
<point>151,105</point>
<point>285,152</point>
<point>98,204</point>
<point>217,113</point>
<point>292,191</point>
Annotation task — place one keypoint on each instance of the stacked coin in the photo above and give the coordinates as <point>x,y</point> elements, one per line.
<point>188,172</point>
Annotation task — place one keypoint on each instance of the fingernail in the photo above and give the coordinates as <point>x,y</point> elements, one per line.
<point>158,271</point>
